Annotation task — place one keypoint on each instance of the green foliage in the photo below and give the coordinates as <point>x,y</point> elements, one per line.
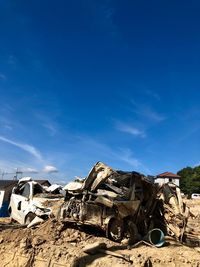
<point>190,180</point>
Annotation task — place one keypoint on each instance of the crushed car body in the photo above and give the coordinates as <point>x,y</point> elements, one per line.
<point>117,202</point>
<point>125,205</point>
<point>31,201</point>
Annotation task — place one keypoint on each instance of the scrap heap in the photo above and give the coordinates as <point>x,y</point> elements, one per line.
<point>125,205</point>
<point>171,213</point>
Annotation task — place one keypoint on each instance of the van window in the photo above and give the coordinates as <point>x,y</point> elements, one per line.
<point>26,191</point>
<point>38,189</point>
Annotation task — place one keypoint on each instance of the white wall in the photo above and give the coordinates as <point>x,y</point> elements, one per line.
<point>166,180</point>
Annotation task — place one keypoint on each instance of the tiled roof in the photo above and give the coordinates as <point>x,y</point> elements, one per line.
<point>168,174</point>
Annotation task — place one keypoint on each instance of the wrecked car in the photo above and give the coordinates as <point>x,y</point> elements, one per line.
<point>30,200</point>
<point>117,202</point>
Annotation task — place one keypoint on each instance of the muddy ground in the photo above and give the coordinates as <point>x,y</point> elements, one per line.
<point>52,244</point>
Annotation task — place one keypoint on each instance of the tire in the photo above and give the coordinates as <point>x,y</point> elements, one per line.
<point>116,229</point>
<point>131,234</point>
<point>29,217</point>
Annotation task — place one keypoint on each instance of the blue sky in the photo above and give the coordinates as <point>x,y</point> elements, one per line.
<point>86,81</point>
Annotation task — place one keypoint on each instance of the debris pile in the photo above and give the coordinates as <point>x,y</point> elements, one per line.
<point>127,209</point>
<point>126,206</point>
<point>116,202</point>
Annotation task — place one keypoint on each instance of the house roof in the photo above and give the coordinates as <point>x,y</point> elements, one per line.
<point>168,175</point>
<point>6,183</point>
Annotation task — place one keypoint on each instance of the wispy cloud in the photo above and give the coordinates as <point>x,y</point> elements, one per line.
<point>127,128</point>
<point>147,111</point>
<point>5,123</point>
<point>50,169</point>
<point>152,114</point>
<point>119,154</point>
<point>51,128</point>
<point>126,155</point>
<point>26,147</point>
<point>47,122</point>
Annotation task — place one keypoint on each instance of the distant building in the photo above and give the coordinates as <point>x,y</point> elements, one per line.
<point>166,177</point>
<point>42,182</point>
<point>6,187</point>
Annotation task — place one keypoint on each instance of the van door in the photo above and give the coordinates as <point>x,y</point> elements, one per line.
<point>19,203</point>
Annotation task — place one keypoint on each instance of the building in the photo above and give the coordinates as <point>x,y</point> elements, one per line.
<point>166,177</point>
<point>6,187</point>
<point>43,182</point>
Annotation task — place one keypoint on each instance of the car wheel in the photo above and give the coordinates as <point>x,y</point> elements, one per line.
<point>116,229</point>
<point>131,234</point>
<point>29,217</point>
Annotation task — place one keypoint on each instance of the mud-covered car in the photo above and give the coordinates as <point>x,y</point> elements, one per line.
<point>115,201</point>
<point>29,200</point>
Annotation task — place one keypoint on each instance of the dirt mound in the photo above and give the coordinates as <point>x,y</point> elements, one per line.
<point>56,244</point>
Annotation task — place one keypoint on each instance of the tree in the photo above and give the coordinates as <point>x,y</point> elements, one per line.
<point>190,180</point>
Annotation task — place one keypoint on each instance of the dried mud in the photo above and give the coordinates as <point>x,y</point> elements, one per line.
<point>52,241</point>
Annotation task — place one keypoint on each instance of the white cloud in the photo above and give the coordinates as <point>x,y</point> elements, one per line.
<point>50,169</point>
<point>123,127</point>
<point>28,148</point>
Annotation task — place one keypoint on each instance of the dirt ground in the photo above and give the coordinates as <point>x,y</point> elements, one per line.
<point>52,244</point>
